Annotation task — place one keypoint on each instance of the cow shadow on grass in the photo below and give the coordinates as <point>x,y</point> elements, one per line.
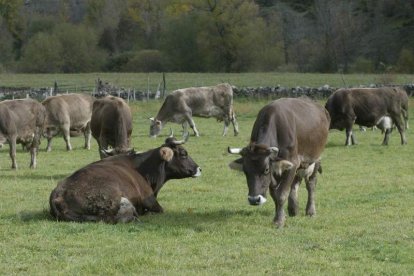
<point>197,221</point>
<point>200,220</point>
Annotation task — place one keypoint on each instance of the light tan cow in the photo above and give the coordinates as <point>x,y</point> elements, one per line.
<point>69,114</point>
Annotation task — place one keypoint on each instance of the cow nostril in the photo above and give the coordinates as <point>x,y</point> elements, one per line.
<point>197,172</point>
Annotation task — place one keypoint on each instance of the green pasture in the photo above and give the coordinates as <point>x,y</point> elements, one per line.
<point>364,223</point>
<point>151,81</point>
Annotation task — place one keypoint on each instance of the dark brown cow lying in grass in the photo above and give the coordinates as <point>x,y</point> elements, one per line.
<point>111,124</point>
<point>21,121</point>
<point>121,187</point>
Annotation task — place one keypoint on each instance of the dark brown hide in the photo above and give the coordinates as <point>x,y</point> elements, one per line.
<point>22,121</point>
<point>365,107</point>
<point>118,188</point>
<point>111,124</point>
<point>287,140</point>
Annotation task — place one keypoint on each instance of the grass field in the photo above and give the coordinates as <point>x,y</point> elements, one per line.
<point>364,223</point>
<point>144,81</point>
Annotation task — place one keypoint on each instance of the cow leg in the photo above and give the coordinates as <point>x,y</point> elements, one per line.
<point>185,128</point>
<point>12,152</point>
<point>398,122</point>
<point>350,138</point>
<point>49,144</point>
<point>66,136</point>
<point>293,203</point>
<point>87,134</point>
<point>386,137</point>
<point>280,194</point>
<point>33,152</point>
<point>310,186</point>
<point>235,124</point>
<point>402,134</point>
<point>226,126</point>
<point>192,125</point>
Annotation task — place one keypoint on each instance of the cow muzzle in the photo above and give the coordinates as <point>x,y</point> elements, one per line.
<point>257,200</point>
<point>198,172</point>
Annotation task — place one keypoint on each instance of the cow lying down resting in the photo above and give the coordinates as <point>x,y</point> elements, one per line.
<point>121,187</point>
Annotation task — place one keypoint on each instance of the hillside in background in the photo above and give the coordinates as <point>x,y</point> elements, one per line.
<point>67,36</point>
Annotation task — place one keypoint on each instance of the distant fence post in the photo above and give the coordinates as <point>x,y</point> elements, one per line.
<point>164,86</point>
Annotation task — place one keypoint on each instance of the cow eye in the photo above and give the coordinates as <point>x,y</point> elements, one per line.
<point>183,154</point>
<point>267,170</point>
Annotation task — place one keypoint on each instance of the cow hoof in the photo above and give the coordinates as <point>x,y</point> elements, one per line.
<point>279,223</point>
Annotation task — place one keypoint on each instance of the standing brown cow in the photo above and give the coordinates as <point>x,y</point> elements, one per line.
<point>287,140</point>
<point>66,114</point>
<point>366,107</point>
<point>22,121</point>
<point>111,124</point>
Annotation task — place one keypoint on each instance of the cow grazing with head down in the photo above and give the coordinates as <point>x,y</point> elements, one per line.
<point>285,147</point>
<point>181,105</point>
<point>111,124</point>
<point>22,121</point>
<point>121,187</point>
<point>366,107</point>
<point>69,114</point>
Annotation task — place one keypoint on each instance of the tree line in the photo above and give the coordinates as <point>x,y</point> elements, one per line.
<point>54,36</point>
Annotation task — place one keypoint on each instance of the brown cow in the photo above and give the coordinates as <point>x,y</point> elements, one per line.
<point>22,121</point>
<point>285,146</point>
<point>181,105</point>
<point>111,124</point>
<point>68,114</point>
<point>365,107</point>
<point>121,187</point>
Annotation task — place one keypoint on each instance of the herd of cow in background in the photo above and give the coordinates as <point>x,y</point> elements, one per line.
<point>286,143</point>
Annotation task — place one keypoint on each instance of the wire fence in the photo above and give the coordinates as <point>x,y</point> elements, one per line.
<point>102,89</point>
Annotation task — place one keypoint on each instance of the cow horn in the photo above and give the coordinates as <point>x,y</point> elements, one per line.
<point>234,150</point>
<point>180,142</point>
<point>151,119</point>
<point>171,133</point>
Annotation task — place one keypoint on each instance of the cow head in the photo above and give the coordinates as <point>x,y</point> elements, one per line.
<point>179,163</point>
<point>155,127</point>
<point>261,166</point>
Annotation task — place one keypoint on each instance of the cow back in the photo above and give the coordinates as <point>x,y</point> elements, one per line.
<point>75,109</point>
<point>112,120</point>
<point>24,117</point>
<point>298,127</point>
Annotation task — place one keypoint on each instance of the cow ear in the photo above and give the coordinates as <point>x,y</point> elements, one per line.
<point>280,166</point>
<point>158,122</point>
<point>237,165</point>
<point>166,154</point>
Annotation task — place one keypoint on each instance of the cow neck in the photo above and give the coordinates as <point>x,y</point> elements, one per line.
<point>164,113</point>
<point>151,167</point>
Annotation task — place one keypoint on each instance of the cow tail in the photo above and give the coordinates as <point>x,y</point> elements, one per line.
<point>122,136</point>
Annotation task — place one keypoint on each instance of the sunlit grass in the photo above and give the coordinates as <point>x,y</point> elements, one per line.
<point>364,223</point>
